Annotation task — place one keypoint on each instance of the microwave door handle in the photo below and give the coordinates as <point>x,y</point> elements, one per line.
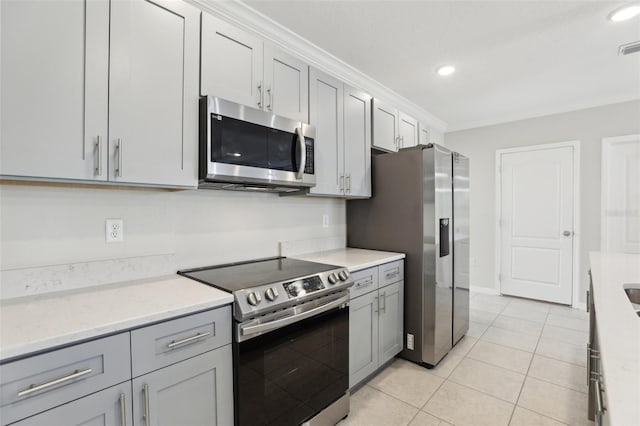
<point>303,153</point>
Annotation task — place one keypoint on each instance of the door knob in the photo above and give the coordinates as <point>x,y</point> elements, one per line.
<point>566,233</point>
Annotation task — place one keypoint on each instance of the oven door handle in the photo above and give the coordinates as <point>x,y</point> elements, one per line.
<point>303,153</point>
<point>272,325</point>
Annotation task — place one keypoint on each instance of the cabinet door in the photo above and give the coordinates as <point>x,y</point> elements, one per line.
<point>408,130</point>
<point>153,89</point>
<point>357,142</point>
<point>423,134</point>
<point>391,320</point>
<point>326,106</point>
<point>231,63</point>
<point>363,337</point>
<point>54,89</point>
<point>286,84</point>
<point>198,391</point>
<point>385,126</point>
<point>109,407</point>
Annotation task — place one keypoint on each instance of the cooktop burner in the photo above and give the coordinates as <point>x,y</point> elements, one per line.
<point>265,285</point>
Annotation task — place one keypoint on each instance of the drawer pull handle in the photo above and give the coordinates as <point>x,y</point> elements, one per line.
<point>192,339</point>
<point>35,388</point>
<point>393,274</point>
<point>361,284</point>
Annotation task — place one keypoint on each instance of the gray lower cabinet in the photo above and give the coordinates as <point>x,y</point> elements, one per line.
<point>181,375</point>
<point>375,319</point>
<point>109,407</point>
<point>197,391</point>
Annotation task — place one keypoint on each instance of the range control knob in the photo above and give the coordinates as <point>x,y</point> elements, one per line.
<point>333,278</point>
<point>271,294</point>
<point>254,298</point>
<point>344,275</point>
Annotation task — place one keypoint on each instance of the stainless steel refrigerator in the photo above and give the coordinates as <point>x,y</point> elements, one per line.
<point>420,207</point>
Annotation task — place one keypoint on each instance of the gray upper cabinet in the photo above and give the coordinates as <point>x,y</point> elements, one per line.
<point>100,90</point>
<point>153,92</point>
<point>54,89</point>
<point>424,136</point>
<point>391,305</point>
<point>342,117</point>
<point>357,142</point>
<point>286,84</point>
<point>407,130</point>
<point>197,391</point>
<point>239,66</point>
<point>109,407</point>
<point>385,126</point>
<point>326,106</point>
<point>231,62</point>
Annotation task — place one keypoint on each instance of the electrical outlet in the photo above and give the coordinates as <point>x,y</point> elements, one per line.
<point>410,341</point>
<point>114,230</point>
<point>325,220</point>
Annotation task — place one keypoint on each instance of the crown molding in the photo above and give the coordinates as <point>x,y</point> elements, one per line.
<point>569,107</point>
<point>244,16</point>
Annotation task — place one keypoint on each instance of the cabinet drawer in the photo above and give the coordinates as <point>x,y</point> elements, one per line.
<point>35,384</point>
<point>363,282</point>
<point>169,342</point>
<point>390,273</point>
<point>111,406</point>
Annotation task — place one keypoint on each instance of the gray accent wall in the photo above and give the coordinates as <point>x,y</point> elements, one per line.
<point>589,126</point>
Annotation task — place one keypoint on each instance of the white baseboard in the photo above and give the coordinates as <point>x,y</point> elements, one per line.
<point>580,305</point>
<point>484,290</point>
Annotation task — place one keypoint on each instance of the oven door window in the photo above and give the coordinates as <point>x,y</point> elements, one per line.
<point>238,142</point>
<point>287,376</point>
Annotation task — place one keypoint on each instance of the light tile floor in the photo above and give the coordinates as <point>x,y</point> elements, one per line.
<point>523,363</point>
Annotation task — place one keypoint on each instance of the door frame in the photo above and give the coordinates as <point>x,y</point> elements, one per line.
<point>576,213</point>
<point>607,144</point>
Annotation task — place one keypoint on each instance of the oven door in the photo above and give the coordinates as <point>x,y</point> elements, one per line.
<point>288,375</point>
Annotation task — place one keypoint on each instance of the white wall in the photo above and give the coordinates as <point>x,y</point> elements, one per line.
<point>588,126</point>
<point>42,225</point>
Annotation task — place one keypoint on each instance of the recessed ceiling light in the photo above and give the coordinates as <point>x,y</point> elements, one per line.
<point>445,70</point>
<point>624,13</point>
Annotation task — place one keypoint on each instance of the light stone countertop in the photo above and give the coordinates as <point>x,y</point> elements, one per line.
<point>352,258</point>
<point>618,334</point>
<point>34,323</point>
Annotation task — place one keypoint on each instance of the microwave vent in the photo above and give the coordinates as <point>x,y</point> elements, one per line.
<point>629,48</point>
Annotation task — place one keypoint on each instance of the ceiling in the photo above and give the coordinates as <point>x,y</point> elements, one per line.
<point>514,59</point>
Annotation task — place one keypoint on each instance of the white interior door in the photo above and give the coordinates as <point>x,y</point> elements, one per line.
<point>621,194</point>
<point>536,224</point>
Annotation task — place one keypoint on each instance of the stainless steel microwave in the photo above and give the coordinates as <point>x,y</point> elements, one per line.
<point>243,148</point>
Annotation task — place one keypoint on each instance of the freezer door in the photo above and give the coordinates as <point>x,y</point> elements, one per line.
<point>438,302</point>
<point>460,246</point>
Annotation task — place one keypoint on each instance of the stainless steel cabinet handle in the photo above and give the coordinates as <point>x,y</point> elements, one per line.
<point>588,301</point>
<point>119,158</point>
<point>599,399</point>
<point>376,305</point>
<point>145,391</point>
<point>393,274</point>
<point>588,363</point>
<point>123,413</point>
<point>341,182</point>
<point>349,182</point>
<point>260,94</point>
<point>566,233</point>
<point>35,388</point>
<point>98,156</point>
<point>192,339</point>
<point>383,297</point>
<point>270,98</point>
<point>365,283</point>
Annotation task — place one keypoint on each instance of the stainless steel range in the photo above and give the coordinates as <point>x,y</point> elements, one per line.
<point>291,339</point>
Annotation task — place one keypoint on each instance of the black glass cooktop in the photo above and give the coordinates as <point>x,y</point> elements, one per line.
<point>238,276</point>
